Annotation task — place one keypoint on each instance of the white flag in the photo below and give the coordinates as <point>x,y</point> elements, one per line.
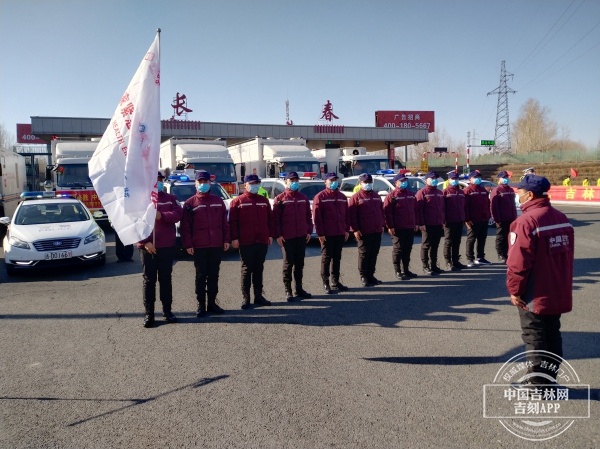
<point>125,163</point>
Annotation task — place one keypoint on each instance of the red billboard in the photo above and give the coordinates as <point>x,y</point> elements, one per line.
<point>406,119</point>
<point>24,134</point>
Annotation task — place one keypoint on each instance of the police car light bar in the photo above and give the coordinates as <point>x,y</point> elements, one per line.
<point>179,178</point>
<point>36,195</point>
<point>282,175</point>
<point>385,172</point>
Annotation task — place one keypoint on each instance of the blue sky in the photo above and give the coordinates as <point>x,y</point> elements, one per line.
<point>237,61</point>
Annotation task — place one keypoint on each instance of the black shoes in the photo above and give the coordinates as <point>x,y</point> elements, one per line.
<point>427,271</point>
<point>339,287</point>
<point>373,280</point>
<point>451,267</point>
<point>482,261</point>
<point>213,307</point>
<point>245,304</point>
<point>200,311</point>
<point>303,294</point>
<point>261,301</point>
<point>403,276</point>
<point>327,288</point>
<point>149,321</point>
<point>436,270</point>
<point>170,317</point>
<point>364,282</point>
<point>459,266</point>
<point>288,295</point>
<point>410,274</point>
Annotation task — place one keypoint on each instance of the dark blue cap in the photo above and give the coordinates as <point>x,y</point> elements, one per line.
<point>160,175</point>
<point>251,178</point>
<point>432,175</point>
<point>452,174</point>
<point>365,177</point>
<point>503,174</point>
<point>291,175</point>
<point>533,183</point>
<point>202,175</point>
<point>398,177</point>
<point>474,174</point>
<point>331,175</point>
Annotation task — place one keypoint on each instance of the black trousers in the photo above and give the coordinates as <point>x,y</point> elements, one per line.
<point>477,233</point>
<point>207,262</point>
<point>368,250</point>
<point>331,256</point>
<point>502,230</point>
<point>541,332</point>
<point>123,252</point>
<point>157,267</point>
<point>430,244</point>
<point>253,263</point>
<point>452,236</point>
<point>293,259</point>
<point>402,246</point>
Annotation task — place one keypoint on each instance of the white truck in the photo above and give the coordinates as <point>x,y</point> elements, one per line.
<point>196,154</point>
<point>71,172</point>
<point>13,181</point>
<point>351,161</point>
<point>268,158</point>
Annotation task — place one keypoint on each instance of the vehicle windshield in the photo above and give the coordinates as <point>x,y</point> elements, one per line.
<point>33,214</point>
<point>73,175</point>
<point>298,166</point>
<point>370,166</point>
<point>311,189</point>
<point>185,191</point>
<point>224,172</point>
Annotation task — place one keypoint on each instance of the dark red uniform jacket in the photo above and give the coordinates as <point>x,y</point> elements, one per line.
<point>204,223</point>
<point>540,258</point>
<point>291,214</point>
<point>477,205</point>
<point>251,219</point>
<point>399,209</point>
<point>330,213</point>
<point>430,206</point>
<point>164,229</point>
<point>454,202</point>
<point>503,206</point>
<point>365,210</point>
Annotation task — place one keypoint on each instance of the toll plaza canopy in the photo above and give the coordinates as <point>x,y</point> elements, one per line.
<point>316,136</point>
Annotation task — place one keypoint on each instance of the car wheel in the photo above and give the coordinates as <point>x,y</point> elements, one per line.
<point>102,260</point>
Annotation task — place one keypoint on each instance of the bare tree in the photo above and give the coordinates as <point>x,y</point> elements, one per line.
<point>533,130</point>
<point>7,140</point>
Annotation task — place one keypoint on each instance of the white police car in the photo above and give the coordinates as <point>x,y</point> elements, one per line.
<point>49,230</point>
<point>308,186</point>
<point>183,187</point>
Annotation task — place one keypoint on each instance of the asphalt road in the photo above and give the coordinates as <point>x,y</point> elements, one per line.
<point>398,365</point>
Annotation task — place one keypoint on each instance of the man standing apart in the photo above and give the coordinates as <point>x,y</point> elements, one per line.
<point>399,210</point>
<point>293,227</point>
<point>539,275</point>
<point>430,218</point>
<point>504,212</point>
<point>157,253</point>
<point>332,225</point>
<point>365,210</point>
<point>477,217</point>
<point>454,205</point>
<point>252,231</point>
<point>205,235</point>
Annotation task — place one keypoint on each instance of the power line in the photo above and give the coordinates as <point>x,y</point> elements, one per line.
<point>548,68</point>
<point>525,28</point>
<point>542,40</point>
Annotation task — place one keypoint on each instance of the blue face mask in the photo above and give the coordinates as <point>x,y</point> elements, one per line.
<point>404,184</point>
<point>433,183</point>
<point>253,188</point>
<point>333,185</point>
<point>454,182</point>
<point>294,185</point>
<point>504,181</point>
<point>160,186</point>
<point>203,188</point>
<point>477,181</point>
<point>368,186</point>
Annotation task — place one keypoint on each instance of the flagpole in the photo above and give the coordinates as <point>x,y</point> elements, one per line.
<point>154,229</point>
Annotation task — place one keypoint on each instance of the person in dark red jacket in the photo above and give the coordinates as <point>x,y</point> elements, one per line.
<point>539,274</point>
<point>504,212</point>
<point>365,210</point>
<point>157,253</point>
<point>399,211</point>
<point>293,227</point>
<point>430,218</point>
<point>454,206</point>
<point>204,234</point>
<point>252,231</point>
<point>332,225</point>
<point>477,217</point>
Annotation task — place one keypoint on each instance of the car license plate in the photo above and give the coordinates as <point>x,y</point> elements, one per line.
<point>58,255</point>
